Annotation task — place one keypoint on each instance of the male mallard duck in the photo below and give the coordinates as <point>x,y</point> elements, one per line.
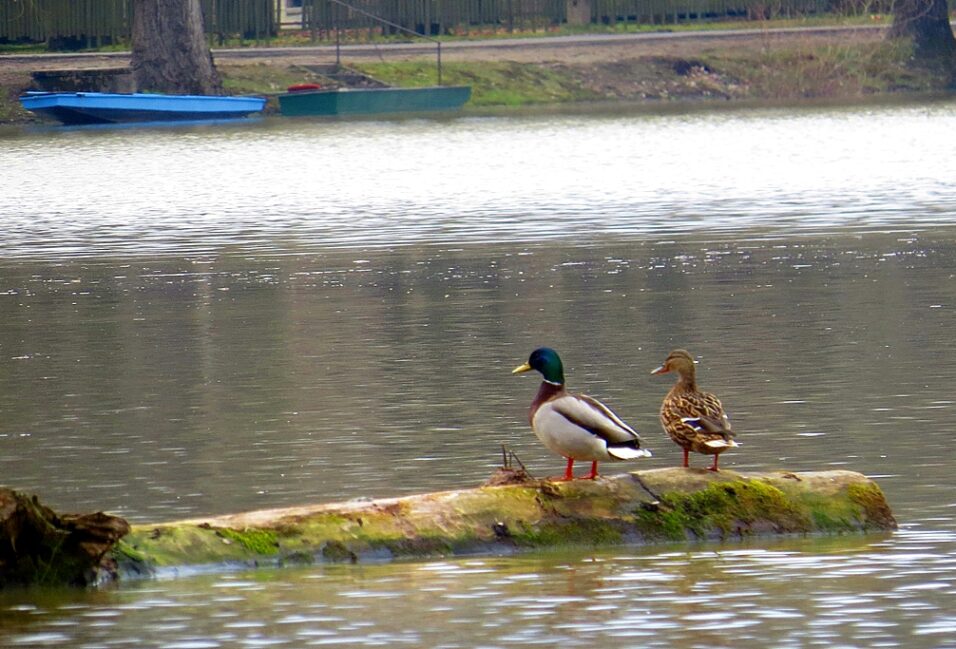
<point>576,426</point>
<point>695,420</point>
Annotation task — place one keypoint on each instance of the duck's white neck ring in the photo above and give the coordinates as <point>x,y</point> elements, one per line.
<point>553,383</point>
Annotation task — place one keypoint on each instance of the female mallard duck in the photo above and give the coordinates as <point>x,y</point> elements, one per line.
<point>576,426</point>
<point>695,420</point>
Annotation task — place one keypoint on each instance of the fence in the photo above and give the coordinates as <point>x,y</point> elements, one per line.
<point>96,21</point>
<point>88,23</point>
<point>85,23</point>
<point>444,16</point>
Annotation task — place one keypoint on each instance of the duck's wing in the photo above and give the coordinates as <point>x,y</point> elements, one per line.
<point>690,414</point>
<point>593,416</point>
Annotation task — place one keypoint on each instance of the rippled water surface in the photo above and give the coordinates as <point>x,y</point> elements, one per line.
<point>278,187</point>
<point>206,320</point>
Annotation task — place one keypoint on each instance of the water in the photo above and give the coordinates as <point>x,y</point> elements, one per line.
<point>281,189</point>
<point>208,320</point>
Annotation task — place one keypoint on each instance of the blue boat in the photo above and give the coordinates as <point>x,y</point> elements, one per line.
<point>116,108</point>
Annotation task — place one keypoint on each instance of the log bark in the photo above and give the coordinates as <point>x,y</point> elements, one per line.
<point>508,515</point>
<point>170,53</point>
<point>40,547</point>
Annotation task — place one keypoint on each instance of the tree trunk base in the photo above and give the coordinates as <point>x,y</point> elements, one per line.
<point>926,22</point>
<point>170,53</point>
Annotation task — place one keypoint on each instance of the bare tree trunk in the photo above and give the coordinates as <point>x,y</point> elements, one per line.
<point>927,23</point>
<point>170,52</point>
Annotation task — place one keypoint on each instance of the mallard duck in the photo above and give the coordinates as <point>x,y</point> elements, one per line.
<point>695,420</point>
<point>576,426</point>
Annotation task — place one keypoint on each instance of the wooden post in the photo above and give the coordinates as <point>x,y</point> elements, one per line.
<point>579,12</point>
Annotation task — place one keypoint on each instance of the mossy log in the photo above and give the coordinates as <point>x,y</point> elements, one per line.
<point>515,512</point>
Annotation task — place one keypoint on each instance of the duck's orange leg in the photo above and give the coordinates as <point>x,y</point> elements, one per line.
<point>686,458</point>
<point>594,473</point>
<point>569,472</point>
<point>713,467</point>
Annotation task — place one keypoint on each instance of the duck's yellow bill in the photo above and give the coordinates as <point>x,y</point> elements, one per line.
<point>521,368</point>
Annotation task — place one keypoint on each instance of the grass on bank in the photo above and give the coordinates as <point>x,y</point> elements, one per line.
<point>493,84</point>
<point>849,71</point>
<point>504,83</point>
<point>840,72</point>
<point>854,70</point>
<point>835,71</point>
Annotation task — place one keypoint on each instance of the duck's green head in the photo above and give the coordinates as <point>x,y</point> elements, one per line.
<point>546,361</point>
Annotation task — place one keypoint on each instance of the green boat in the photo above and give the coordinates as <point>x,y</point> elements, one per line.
<point>372,101</point>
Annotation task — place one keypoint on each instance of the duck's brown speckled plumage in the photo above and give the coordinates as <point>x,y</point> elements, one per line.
<point>693,419</point>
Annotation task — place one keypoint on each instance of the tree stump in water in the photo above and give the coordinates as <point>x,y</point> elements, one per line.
<point>39,546</point>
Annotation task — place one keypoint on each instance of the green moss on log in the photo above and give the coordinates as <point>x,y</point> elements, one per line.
<point>37,546</point>
<point>781,503</point>
<point>876,512</point>
<point>256,541</point>
<point>742,507</point>
<point>584,532</point>
<point>646,506</point>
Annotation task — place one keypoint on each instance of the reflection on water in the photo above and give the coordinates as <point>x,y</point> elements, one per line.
<point>295,184</point>
<point>212,320</point>
<point>839,592</point>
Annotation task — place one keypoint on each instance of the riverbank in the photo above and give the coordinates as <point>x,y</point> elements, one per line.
<point>661,68</point>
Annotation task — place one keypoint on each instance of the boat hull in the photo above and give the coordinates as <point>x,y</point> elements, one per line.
<point>373,101</point>
<point>115,108</point>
